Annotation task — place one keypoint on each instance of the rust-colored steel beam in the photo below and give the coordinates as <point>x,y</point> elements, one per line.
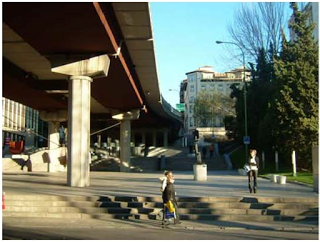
<point>115,45</point>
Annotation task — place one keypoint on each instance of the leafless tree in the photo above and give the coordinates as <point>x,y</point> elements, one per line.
<point>258,25</point>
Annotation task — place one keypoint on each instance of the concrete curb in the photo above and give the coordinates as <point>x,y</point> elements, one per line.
<point>287,229</point>
<point>125,224</point>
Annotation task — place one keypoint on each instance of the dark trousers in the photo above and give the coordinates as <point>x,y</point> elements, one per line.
<point>252,179</point>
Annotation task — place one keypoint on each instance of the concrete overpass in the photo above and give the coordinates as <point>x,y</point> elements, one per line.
<point>73,61</point>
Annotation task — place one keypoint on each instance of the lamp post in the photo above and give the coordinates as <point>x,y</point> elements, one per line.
<point>244,95</point>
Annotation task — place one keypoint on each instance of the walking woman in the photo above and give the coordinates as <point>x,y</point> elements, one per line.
<point>253,164</point>
<point>169,195</point>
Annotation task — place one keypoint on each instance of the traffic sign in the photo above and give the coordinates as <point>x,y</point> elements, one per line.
<point>180,107</point>
<point>246,140</point>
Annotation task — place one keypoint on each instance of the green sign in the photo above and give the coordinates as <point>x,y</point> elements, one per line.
<point>180,107</point>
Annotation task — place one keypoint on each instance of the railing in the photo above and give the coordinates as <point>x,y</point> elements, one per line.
<point>170,110</point>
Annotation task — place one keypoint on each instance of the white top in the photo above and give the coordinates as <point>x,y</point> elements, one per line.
<point>253,161</point>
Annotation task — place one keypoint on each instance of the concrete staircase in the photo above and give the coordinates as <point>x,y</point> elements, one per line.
<point>190,208</point>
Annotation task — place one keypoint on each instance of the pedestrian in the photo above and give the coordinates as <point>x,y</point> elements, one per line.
<point>211,150</point>
<point>204,151</point>
<point>253,166</point>
<point>169,199</point>
<point>163,181</point>
<point>62,136</point>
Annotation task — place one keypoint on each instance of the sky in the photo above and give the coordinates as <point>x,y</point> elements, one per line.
<point>184,36</point>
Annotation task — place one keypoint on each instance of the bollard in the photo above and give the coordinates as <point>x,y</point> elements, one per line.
<point>273,178</point>
<point>200,172</point>
<point>276,161</point>
<point>293,157</point>
<point>281,180</point>
<point>263,160</point>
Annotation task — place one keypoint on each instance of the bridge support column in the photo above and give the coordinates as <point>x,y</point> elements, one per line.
<point>165,138</point>
<point>79,114</point>
<point>133,138</point>
<point>154,138</point>
<point>53,132</point>
<point>79,131</point>
<point>143,137</point>
<point>125,137</point>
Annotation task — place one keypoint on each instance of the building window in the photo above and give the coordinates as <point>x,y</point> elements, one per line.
<point>191,88</point>
<point>220,87</point>
<point>191,122</point>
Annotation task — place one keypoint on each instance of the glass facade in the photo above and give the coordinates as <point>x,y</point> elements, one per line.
<point>16,118</point>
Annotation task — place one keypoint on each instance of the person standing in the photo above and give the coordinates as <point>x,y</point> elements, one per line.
<point>253,164</point>
<point>62,136</point>
<point>169,194</point>
<point>211,150</point>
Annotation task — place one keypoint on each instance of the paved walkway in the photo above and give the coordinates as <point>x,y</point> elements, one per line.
<point>220,183</point>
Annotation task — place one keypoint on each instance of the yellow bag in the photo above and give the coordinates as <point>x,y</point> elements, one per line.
<point>170,206</point>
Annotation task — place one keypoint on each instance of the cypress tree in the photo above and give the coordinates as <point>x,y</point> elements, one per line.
<point>296,98</point>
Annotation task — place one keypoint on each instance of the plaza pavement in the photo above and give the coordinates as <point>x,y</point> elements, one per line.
<point>219,183</point>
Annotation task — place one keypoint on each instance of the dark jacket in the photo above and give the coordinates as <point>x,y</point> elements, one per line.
<point>169,194</point>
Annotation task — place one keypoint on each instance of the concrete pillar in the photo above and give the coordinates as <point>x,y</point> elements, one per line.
<point>99,140</point>
<point>79,131</point>
<point>79,112</point>
<point>133,138</point>
<point>143,137</point>
<point>53,132</point>
<point>154,138</point>
<point>125,149</point>
<point>165,138</point>
<point>125,137</point>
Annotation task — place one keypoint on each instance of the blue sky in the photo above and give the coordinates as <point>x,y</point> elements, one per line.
<point>184,37</point>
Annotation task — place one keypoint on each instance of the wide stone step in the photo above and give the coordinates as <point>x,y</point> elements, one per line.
<point>54,209</point>
<point>32,203</point>
<point>107,202</point>
<point>41,215</point>
<point>213,205</point>
<point>251,200</point>
<point>247,217</point>
<point>153,216</point>
<point>46,198</point>
<point>194,211</point>
<point>78,210</point>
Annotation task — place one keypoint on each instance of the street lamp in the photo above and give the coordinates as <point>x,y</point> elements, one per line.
<point>246,141</point>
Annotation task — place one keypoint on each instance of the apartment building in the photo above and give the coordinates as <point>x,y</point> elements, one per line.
<point>205,79</point>
<point>313,9</point>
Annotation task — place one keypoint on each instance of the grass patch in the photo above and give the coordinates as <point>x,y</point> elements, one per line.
<point>238,160</point>
<point>303,177</point>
